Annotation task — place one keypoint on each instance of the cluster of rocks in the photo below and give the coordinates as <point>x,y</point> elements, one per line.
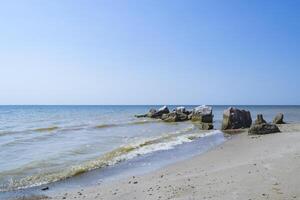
<point>202,114</point>
<point>233,118</point>
<point>261,127</point>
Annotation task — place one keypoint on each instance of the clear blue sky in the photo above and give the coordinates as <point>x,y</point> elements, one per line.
<point>150,52</point>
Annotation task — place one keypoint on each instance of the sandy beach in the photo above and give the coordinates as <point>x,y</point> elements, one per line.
<point>244,167</point>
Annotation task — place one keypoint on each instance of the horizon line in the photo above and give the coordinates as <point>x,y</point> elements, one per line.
<point>149,104</point>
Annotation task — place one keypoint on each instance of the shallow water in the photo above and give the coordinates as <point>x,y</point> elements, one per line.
<point>43,144</point>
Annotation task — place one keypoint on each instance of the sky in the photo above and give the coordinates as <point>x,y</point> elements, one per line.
<point>149,52</point>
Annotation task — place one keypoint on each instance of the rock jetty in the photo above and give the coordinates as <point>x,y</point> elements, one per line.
<point>202,114</point>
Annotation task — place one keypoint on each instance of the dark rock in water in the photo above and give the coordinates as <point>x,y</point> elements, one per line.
<point>204,110</point>
<point>262,129</point>
<point>202,114</point>
<point>234,118</point>
<point>182,109</point>
<point>279,119</point>
<point>139,116</point>
<point>163,110</point>
<point>182,117</point>
<point>170,117</point>
<point>174,117</point>
<point>260,119</point>
<point>158,114</point>
<point>153,113</point>
<point>45,188</point>
<point>177,115</point>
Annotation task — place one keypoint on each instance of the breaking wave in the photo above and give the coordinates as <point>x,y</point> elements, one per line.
<point>126,152</point>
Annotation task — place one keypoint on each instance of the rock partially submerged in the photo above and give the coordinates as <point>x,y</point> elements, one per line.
<point>153,113</point>
<point>179,114</point>
<point>202,114</point>
<point>234,118</point>
<point>260,119</point>
<point>140,116</point>
<point>279,119</point>
<point>174,117</point>
<point>158,114</point>
<point>181,109</point>
<point>262,129</point>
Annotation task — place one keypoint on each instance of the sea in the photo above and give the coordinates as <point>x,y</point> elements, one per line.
<point>40,145</point>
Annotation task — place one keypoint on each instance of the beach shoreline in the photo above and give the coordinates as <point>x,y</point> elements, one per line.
<point>244,167</point>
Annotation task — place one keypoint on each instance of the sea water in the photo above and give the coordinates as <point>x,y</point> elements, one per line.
<point>45,144</point>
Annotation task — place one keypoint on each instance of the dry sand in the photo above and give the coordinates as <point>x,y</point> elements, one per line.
<point>244,168</point>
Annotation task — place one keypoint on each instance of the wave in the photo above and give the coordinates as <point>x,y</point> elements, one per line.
<point>127,152</point>
<point>127,123</point>
<point>44,129</point>
<point>47,129</point>
<point>76,127</point>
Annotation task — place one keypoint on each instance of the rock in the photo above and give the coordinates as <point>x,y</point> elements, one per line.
<point>261,129</point>
<point>182,117</point>
<point>202,113</point>
<point>139,116</point>
<point>234,118</point>
<point>174,117</point>
<point>204,110</point>
<point>260,119</point>
<point>278,119</point>
<point>171,117</point>
<point>180,109</point>
<point>177,115</point>
<point>153,113</point>
<point>45,188</point>
<point>163,110</point>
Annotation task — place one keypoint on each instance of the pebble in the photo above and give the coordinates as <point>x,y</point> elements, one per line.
<point>45,188</point>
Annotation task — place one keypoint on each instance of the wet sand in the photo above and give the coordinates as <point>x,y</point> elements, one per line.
<point>245,167</point>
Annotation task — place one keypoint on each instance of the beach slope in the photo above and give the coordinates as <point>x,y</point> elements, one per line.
<point>245,167</point>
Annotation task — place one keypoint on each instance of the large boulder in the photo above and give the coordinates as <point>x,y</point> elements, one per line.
<point>234,118</point>
<point>260,119</point>
<point>153,113</point>
<point>262,129</point>
<point>174,117</point>
<point>202,114</point>
<point>170,117</point>
<point>278,119</point>
<point>163,110</point>
<point>182,109</point>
